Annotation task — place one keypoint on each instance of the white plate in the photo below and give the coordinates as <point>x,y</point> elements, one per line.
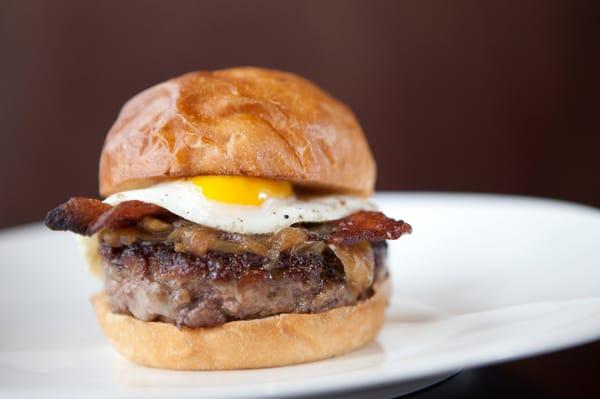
<point>483,279</point>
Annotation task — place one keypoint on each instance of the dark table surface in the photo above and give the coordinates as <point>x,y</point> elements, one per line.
<point>571,373</point>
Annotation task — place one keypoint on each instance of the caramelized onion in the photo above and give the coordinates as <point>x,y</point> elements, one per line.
<point>193,239</point>
<point>359,263</point>
<point>198,240</point>
<point>357,259</point>
<point>309,247</point>
<point>154,225</point>
<point>124,237</point>
<point>285,240</point>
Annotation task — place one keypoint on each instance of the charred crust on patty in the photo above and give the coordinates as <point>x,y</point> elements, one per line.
<point>152,281</point>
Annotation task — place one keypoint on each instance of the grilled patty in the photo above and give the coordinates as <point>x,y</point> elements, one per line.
<point>153,281</point>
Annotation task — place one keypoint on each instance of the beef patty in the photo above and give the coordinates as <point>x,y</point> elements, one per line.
<point>153,281</point>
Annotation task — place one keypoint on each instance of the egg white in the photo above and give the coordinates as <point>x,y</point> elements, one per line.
<point>187,201</point>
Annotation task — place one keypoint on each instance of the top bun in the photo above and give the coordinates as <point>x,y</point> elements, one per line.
<point>238,121</point>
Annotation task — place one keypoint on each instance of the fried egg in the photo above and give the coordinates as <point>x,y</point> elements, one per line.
<point>239,204</point>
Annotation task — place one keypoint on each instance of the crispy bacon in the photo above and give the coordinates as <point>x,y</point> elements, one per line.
<point>87,216</point>
<point>366,226</point>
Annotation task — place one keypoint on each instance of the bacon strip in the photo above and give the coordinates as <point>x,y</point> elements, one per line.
<point>366,226</point>
<point>87,216</point>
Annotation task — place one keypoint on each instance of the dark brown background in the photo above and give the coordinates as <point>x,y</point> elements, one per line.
<point>495,96</point>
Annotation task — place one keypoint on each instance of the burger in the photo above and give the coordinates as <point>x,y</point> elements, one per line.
<point>236,229</point>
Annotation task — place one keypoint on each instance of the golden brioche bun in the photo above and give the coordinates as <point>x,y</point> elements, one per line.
<point>239,121</point>
<point>272,341</point>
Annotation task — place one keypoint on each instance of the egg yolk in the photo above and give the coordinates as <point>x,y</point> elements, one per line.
<point>241,190</point>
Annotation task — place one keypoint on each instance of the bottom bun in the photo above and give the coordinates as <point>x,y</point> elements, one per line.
<point>272,341</point>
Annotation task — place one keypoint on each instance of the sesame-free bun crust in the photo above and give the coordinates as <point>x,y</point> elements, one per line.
<point>272,341</point>
<point>240,121</point>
